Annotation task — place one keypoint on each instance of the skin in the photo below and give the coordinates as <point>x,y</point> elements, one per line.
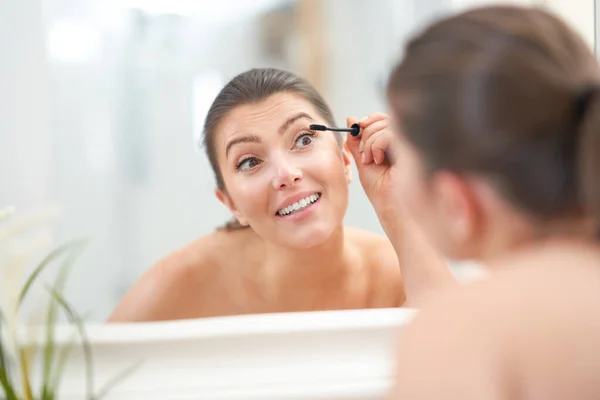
<point>539,343</point>
<point>387,173</point>
<point>281,264</point>
<point>474,341</point>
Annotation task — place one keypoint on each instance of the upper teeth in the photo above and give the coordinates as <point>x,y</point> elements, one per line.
<point>299,205</point>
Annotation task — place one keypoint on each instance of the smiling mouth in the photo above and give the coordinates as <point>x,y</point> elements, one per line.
<point>299,205</point>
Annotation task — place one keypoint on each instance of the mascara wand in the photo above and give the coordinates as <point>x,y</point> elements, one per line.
<point>354,129</point>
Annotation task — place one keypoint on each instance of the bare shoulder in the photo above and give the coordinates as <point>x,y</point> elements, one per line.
<point>175,285</point>
<point>525,291</point>
<point>380,256</point>
<point>373,244</point>
<point>538,307</point>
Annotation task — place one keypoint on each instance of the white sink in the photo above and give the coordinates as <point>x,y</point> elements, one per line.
<point>310,355</point>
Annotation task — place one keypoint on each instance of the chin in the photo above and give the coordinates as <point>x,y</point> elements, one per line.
<point>307,237</point>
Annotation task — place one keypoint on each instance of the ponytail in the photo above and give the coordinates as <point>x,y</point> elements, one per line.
<point>588,109</point>
<point>233,225</point>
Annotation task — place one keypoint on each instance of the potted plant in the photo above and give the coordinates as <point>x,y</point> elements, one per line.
<point>29,371</point>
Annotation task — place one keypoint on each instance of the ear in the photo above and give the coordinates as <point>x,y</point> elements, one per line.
<point>457,208</point>
<point>226,200</point>
<point>347,160</point>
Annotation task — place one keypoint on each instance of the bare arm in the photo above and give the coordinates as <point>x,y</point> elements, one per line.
<point>424,270</point>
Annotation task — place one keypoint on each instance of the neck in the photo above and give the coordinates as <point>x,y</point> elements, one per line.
<point>301,268</point>
<point>568,251</point>
<point>554,234</point>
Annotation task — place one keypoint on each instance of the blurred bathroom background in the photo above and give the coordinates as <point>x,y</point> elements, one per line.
<point>102,104</point>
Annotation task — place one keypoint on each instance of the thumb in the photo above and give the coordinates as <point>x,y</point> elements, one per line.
<point>353,143</point>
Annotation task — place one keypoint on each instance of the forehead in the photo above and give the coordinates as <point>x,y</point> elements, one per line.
<point>264,117</point>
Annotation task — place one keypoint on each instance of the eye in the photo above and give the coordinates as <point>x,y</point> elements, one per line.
<point>304,140</point>
<point>247,164</point>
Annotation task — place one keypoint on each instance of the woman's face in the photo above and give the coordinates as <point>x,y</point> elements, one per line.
<point>288,183</point>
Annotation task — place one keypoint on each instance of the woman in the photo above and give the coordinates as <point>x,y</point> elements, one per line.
<point>497,113</point>
<point>287,187</point>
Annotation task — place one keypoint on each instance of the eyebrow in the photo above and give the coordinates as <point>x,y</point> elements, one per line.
<point>242,139</point>
<point>284,127</point>
<point>256,139</point>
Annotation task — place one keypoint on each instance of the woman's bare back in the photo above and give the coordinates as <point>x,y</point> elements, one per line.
<point>223,274</point>
<point>529,331</point>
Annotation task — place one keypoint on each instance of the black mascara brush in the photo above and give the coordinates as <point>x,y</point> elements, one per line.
<point>354,129</point>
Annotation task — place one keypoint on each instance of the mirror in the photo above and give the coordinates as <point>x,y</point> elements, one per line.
<point>124,86</point>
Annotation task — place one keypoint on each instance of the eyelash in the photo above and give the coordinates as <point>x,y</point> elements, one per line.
<point>305,133</point>
<point>238,166</point>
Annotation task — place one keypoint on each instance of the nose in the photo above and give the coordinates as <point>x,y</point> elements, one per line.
<point>286,176</point>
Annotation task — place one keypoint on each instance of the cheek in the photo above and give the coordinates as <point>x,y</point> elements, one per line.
<point>422,205</point>
<point>327,166</point>
<point>412,187</point>
<point>412,191</point>
<point>248,194</point>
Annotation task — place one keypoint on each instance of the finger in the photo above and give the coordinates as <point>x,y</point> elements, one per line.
<point>350,121</point>
<point>368,147</point>
<point>371,130</point>
<point>353,143</point>
<point>371,118</point>
<point>380,149</point>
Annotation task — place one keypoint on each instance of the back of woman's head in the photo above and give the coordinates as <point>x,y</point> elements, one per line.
<point>249,87</point>
<point>508,94</point>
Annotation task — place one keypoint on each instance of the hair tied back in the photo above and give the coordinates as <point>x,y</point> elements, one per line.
<point>583,100</point>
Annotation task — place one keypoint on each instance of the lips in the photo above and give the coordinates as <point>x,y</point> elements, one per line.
<point>298,203</point>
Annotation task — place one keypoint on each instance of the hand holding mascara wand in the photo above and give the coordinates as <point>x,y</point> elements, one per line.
<point>355,130</point>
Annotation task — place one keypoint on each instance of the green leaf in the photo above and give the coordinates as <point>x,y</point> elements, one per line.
<point>49,350</point>
<point>3,362</point>
<point>9,391</point>
<point>75,244</point>
<point>6,385</point>
<point>75,319</point>
<point>25,374</point>
<point>63,357</point>
<point>115,380</point>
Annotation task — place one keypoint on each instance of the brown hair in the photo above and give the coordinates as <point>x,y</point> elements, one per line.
<point>507,93</point>
<point>249,87</point>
